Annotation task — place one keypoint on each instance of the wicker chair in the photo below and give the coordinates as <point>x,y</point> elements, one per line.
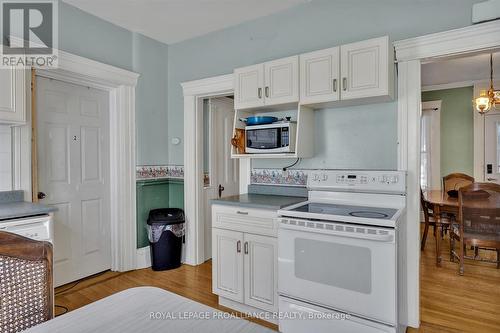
<point>478,223</point>
<point>26,287</point>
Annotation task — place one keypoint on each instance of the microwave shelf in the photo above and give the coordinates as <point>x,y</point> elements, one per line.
<point>303,133</point>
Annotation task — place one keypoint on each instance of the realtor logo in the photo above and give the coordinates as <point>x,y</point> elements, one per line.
<point>29,33</point>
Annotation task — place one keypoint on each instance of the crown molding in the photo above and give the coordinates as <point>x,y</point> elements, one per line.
<point>208,85</point>
<point>473,38</point>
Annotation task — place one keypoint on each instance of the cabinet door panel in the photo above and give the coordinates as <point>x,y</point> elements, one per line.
<point>227,264</point>
<point>261,272</point>
<point>249,85</point>
<point>319,76</point>
<point>282,81</point>
<point>364,69</point>
<point>12,96</point>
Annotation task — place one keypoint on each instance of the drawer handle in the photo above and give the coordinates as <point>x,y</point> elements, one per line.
<point>238,246</point>
<point>242,213</point>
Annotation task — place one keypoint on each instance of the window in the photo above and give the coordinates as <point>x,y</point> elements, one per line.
<point>425,150</point>
<point>430,142</point>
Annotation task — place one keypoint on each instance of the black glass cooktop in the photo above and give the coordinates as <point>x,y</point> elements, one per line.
<point>346,210</point>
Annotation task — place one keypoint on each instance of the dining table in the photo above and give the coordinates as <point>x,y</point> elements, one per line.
<point>441,203</point>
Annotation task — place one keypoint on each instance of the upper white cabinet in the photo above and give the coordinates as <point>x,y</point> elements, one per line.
<point>268,84</point>
<point>249,86</point>
<point>319,73</point>
<point>366,69</point>
<point>281,78</point>
<point>12,96</point>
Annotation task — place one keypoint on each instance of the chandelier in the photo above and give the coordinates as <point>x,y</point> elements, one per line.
<point>490,98</point>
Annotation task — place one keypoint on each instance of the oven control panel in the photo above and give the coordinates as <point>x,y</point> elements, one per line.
<point>376,181</point>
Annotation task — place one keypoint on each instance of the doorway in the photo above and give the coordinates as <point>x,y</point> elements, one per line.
<point>220,171</point>
<point>73,171</point>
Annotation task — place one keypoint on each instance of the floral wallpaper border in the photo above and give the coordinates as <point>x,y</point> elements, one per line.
<point>159,171</point>
<point>278,177</point>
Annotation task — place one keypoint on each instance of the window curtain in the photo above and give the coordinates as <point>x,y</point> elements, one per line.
<point>425,150</point>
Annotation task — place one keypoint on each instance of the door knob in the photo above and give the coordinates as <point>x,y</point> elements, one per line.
<point>41,195</point>
<point>221,188</point>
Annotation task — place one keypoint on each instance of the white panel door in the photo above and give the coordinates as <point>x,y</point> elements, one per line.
<point>319,76</point>
<point>261,273</point>
<point>364,68</point>
<point>224,171</point>
<point>227,265</point>
<point>281,81</point>
<point>248,87</point>
<point>73,164</point>
<point>12,96</point>
<point>492,148</point>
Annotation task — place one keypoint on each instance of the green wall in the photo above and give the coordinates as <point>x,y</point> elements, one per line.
<point>152,194</point>
<point>457,129</point>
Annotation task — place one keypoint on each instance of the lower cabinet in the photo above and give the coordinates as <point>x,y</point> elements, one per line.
<point>244,268</point>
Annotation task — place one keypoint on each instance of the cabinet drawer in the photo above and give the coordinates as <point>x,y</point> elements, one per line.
<point>257,221</point>
<point>36,231</point>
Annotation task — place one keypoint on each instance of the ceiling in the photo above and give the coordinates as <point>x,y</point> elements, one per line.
<point>472,68</point>
<point>171,21</point>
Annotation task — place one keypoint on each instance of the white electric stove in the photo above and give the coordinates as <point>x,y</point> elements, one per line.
<point>338,253</point>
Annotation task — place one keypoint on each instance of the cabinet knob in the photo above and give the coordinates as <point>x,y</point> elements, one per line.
<point>246,247</point>
<point>334,85</point>
<point>259,92</point>
<point>238,246</point>
<point>344,83</point>
<point>267,91</point>
<point>41,195</point>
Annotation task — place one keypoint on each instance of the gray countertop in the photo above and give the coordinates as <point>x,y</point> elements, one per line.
<point>12,206</point>
<point>264,201</point>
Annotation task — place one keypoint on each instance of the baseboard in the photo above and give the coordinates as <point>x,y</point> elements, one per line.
<point>243,308</point>
<point>143,257</point>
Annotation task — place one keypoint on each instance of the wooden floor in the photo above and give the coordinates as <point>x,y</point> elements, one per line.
<point>448,302</point>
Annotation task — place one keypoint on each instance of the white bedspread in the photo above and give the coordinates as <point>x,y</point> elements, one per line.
<point>131,311</point>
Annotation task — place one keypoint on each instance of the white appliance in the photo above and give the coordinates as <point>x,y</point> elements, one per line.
<point>271,138</point>
<point>338,253</point>
<point>35,227</point>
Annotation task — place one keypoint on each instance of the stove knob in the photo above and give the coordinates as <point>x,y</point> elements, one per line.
<point>325,177</point>
<point>316,177</point>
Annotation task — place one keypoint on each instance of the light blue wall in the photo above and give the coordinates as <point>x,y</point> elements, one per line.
<point>150,59</point>
<point>357,137</point>
<point>88,36</point>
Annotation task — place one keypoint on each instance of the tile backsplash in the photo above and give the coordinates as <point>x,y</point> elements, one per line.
<point>159,171</point>
<point>278,177</point>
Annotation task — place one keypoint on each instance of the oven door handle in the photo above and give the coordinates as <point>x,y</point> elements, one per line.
<point>386,238</point>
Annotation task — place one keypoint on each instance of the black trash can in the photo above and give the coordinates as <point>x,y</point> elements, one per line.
<point>165,232</point>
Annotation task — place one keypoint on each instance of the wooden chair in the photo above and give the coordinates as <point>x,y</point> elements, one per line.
<point>26,286</point>
<point>478,222</point>
<point>429,221</point>
<point>454,181</point>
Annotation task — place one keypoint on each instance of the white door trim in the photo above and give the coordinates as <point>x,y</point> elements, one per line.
<point>410,53</point>
<point>121,85</point>
<point>194,92</point>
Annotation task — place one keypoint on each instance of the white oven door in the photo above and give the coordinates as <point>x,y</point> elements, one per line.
<point>350,268</point>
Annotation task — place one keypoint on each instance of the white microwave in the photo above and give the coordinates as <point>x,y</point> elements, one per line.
<point>271,138</point>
